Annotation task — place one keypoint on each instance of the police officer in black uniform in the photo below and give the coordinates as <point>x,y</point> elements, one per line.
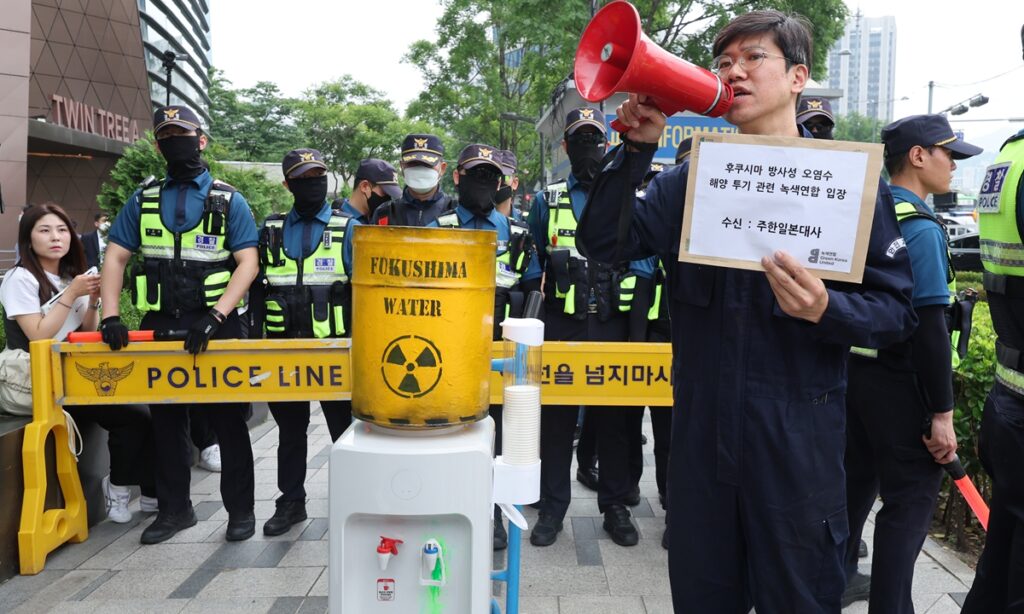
<point>303,293</point>
<point>423,199</point>
<point>815,113</point>
<point>376,183</point>
<point>584,301</point>
<point>198,242</point>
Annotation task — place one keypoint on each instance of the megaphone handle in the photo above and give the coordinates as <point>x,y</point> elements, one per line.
<point>622,128</point>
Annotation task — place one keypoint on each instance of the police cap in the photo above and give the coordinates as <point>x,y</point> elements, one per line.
<point>655,168</point>
<point>379,172</point>
<point>683,151</point>
<point>927,131</point>
<point>813,106</point>
<point>509,163</point>
<point>584,116</point>
<point>477,154</point>
<point>176,115</point>
<point>298,161</point>
<point>423,148</point>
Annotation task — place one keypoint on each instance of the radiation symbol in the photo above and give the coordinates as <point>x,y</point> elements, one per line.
<point>411,366</point>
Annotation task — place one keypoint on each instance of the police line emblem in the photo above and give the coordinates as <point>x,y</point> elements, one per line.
<point>105,377</point>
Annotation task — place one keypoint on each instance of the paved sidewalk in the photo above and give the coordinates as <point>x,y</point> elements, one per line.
<point>197,571</point>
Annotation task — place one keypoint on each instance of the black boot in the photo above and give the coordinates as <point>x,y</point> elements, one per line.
<point>286,514</point>
<point>619,524</point>
<point>500,536</point>
<point>241,526</point>
<point>167,526</point>
<point>588,477</point>
<point>545,532</point>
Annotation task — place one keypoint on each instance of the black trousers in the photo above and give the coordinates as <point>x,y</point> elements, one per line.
<point>200,430</point>
<point>586,448</point>
<point>885,455</point>
<point>174,444</point>
<point>999,581</point>
<point>129,439</point>
<point>661,427</point>
<point>292,419</point>
<point>558,424</point>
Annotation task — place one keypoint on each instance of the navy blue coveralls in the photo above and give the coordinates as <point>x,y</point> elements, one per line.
<point>756,481</point>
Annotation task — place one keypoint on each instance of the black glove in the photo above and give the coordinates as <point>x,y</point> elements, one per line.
<point>199,334</point>
<point>114,333</point>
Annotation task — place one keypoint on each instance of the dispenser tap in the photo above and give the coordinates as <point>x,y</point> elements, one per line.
<point>432,568</point>
<point>387,548</point>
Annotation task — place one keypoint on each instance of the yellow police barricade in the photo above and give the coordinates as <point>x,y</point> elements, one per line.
<point>574,373</point>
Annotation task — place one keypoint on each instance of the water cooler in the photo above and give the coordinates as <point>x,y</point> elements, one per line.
<point>412,481</point>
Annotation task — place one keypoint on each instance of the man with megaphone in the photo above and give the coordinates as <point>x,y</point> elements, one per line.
<point>756,481</point>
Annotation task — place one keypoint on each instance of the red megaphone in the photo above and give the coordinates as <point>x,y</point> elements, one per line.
<point>616,56</point>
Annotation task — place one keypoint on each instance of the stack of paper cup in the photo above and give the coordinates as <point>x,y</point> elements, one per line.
<point>521,425</point>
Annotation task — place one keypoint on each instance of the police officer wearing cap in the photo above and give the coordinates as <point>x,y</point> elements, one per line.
<point>376,182</point>
<point>423,199</point>
<point>478,177</point>
<point>584,301</point>
<point>999,581</point>
<point>894,392</point>
<point>198,241</point>
<point>509,185</point>
<point>815,114</point>
<point>302,293</point>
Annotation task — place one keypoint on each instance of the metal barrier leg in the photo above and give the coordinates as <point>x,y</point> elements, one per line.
<point>42,531</point>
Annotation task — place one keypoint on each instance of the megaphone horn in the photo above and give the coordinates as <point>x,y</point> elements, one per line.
<point>615,55</point>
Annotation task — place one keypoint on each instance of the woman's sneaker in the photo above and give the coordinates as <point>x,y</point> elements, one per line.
<point>117,501</point>
<point>148,505</point>
<point>209,458</point>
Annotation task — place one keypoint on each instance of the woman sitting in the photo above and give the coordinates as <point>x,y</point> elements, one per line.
<point>52,260</point>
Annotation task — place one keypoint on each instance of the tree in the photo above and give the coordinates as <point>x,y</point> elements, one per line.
<point>141,160</point>
<point>493,57</point>
<point>255,124</point>
<point>856,127</point>
<point>348,121</point>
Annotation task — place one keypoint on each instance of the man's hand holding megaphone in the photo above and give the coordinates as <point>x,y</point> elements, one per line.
<point>799,294</point>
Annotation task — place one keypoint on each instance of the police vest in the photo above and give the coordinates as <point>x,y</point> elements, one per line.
<point>1002,250</point>
<point>513,260</point>
<point>183,271</point>
<point>305,297</point>
<point>907,211</point>
<point>582,286</point>
<point>659,303</point>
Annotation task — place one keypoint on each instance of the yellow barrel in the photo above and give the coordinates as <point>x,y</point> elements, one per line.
<point>423,311</point>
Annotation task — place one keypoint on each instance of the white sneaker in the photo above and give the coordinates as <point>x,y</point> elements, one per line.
<point>148,505</point>
<point>209,458</point>
<point>117,501</point>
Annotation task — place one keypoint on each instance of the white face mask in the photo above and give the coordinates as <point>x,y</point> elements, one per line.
<point>104,227</point>
<point>421,178</point>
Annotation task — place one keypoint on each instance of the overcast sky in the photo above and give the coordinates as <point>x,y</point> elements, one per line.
<point>954,43</point>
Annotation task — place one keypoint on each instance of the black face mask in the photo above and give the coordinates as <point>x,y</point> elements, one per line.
<point>504,193</point>
<point>477,193</point>
<point>310,194</point>
<point>182,155</point>
<point>375,200</point>
<point>585,159</point>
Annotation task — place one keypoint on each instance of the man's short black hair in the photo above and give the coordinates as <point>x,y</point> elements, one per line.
<point>99,216</point>
<point>792,34</point>
<point>894,165</point>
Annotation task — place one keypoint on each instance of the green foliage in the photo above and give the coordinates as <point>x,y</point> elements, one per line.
<point>254,124</point>
<point>348,121</point>
<point>972,382</point>
<point>856,127</point>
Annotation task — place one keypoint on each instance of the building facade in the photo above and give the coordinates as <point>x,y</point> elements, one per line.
<point>863,64</point>
<point>183,28</point>
<point>78,83</point>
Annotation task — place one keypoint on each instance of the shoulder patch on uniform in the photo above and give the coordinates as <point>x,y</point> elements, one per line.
<point>895,246</point>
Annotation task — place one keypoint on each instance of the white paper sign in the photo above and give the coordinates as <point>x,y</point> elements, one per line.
<point>751,199</point>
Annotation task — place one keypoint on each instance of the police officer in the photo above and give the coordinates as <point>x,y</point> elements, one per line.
<point>584,301</point>
<point>376,182</point>
<point>894,390</point>
<point>423,199</point>
<point>756,478</point>
<point>999,580</point>
<point>815,114</point>
<point>198,240</point>
<point>478,177</point>
<point>303,293</point>
<point>509,185</point>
